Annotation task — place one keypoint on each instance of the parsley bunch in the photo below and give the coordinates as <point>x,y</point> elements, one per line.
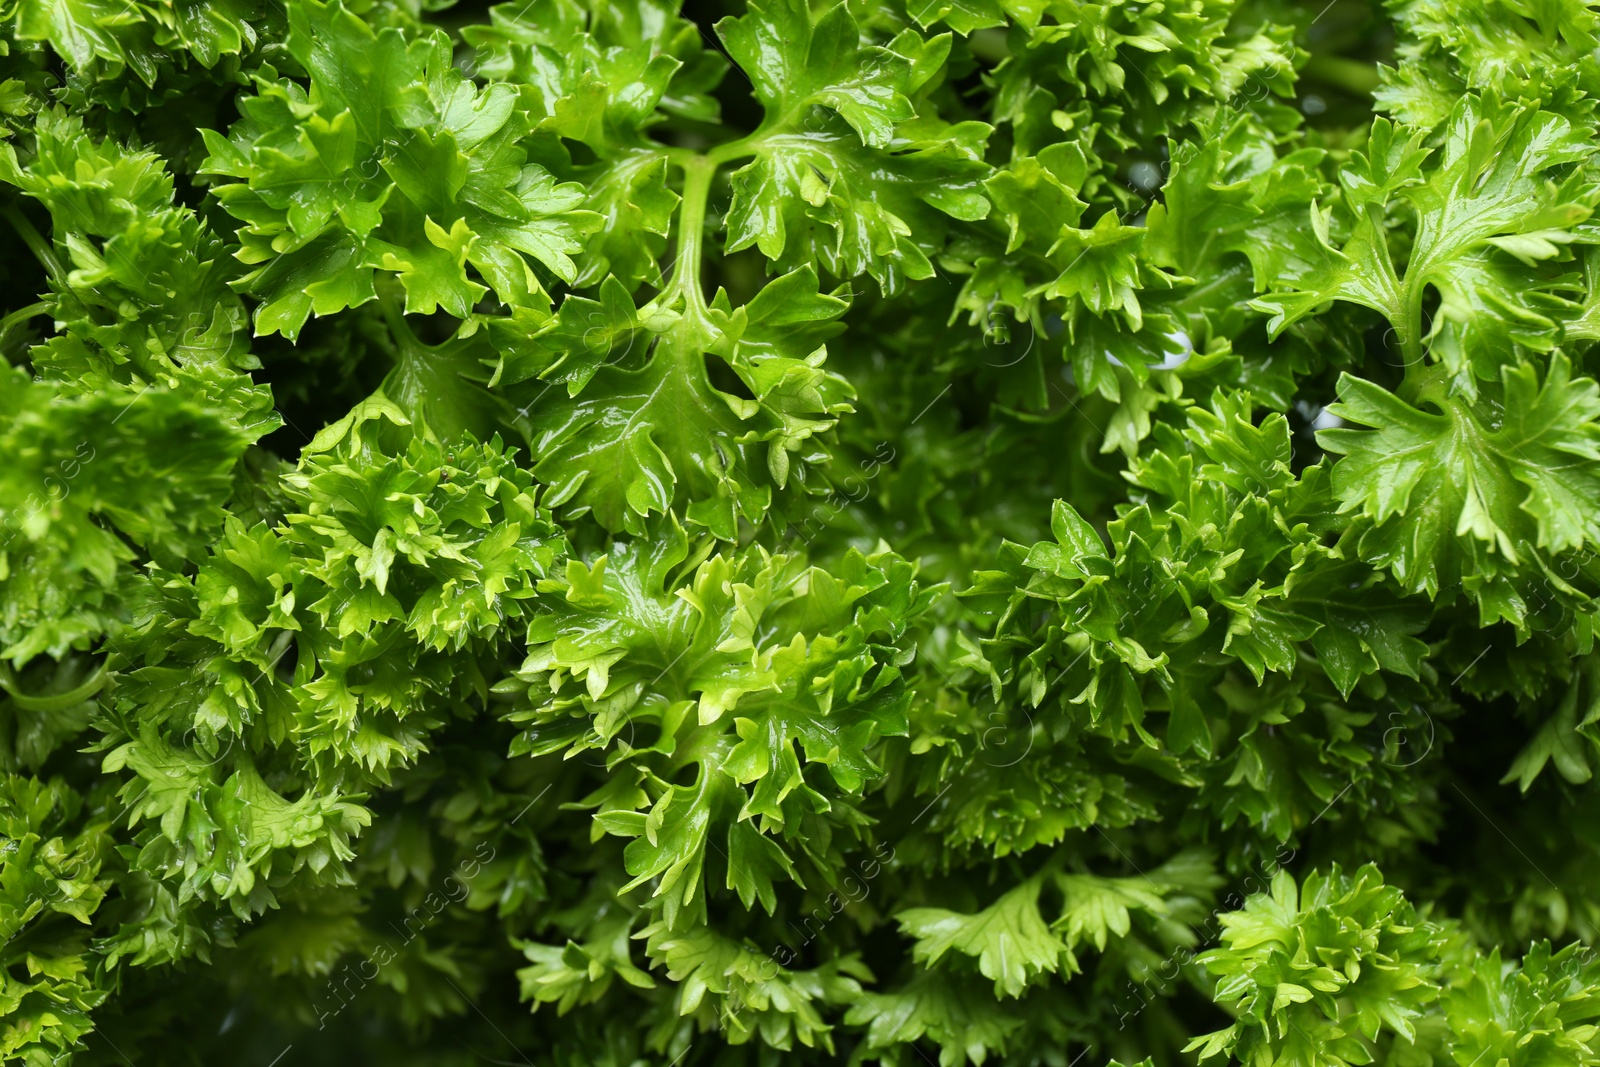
<point>603,532</point>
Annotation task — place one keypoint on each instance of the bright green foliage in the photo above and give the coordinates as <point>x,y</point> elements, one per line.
<point>1013,943</point>
<point>1543,52</point>
<point>82,483</point>
<point>723,675</point>
<point>48,880</point>
<point>1319,972</point>
<point>624,534</point>
<point>138,283</point>
<point>1341,970</point>
<point>1488,211</point>
<point>108,41</point>
<point>388,582</point>
<point>392,161</point>
<point>1220,605</point>
<point>852,193</point>
<point>1485,496</point>
<point>641,439</point>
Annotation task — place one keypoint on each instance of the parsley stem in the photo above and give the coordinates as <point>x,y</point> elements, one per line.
<point>697,174</point>
<point>1410,335</point>
<point>42,307</point>
<point>394,317</point>
<point>35,242</point>
<point>1349,75</point>
<point>743,148</point>
<point>1423,383</point>
<point>51,702</point>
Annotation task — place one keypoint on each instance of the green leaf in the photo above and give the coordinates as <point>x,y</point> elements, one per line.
<point>1010,939</point>
<point>1501,192</point>
<point>1477,493</point>
<point>396,162</point>
<point>795,60</point>
<point>644,440</point>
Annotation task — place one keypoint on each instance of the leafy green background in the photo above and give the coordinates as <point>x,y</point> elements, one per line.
<point>901,531</point>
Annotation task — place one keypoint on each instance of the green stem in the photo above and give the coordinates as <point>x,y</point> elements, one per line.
<point>743,148</point>
<point>697,174</point>
<point>726,152</point>
<point>1409,329</point>
<point>52,702</point>
<point>1424,383</point>
<point>1353,76</point>
<point>23,315</point>
<point>36,242</point>
<point>394,316</point>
